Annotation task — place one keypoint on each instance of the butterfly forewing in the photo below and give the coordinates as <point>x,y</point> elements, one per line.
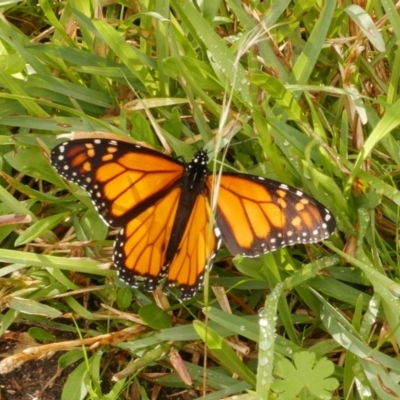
<point>257,215</point>
<point>123,179</point>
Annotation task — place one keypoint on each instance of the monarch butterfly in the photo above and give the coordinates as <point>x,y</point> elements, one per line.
<point>162,207</point>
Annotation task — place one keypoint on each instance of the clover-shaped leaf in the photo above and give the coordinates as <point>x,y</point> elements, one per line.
<point>305,377</point>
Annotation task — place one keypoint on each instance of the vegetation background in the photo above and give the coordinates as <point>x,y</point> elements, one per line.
<point>303,92</point>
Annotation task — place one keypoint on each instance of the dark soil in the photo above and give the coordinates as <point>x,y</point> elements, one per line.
<point>35,380</point>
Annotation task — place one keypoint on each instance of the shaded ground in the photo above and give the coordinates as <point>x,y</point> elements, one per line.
<point>34,380</point>
<point>44,380</point>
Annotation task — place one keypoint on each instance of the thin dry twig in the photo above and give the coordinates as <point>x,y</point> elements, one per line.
<point>47,350</point>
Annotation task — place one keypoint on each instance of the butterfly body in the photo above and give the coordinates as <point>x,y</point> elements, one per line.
<point>192,185</point>
<point>163,209</point>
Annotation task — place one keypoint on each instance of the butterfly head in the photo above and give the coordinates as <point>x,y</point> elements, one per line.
<point>197,170</point>
<point>198,163</point>
<point>201,157</point>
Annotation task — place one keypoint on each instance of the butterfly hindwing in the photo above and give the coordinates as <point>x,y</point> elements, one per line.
<point>141,246</point>
<point>196,250</point>
<point>257,215</point>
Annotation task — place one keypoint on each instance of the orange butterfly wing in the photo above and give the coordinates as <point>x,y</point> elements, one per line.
<point>196,250</point>
<point>257,215</point>
<point>122,178</point>
<point>141,246</point>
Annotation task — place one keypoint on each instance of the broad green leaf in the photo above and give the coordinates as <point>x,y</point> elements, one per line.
<point>75,387</point>
<point>154,316</point>
<point>40,228</point>
<point>32,307</point>
<point>305,374</point>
